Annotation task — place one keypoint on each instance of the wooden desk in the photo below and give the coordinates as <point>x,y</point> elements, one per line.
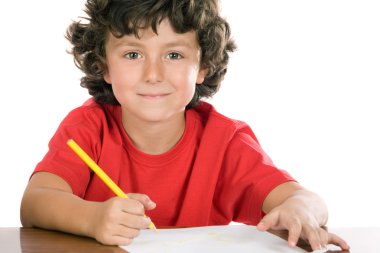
<point>27,240</point>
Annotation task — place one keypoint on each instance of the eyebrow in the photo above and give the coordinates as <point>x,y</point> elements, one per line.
<point>136,43</point>
<point>179,43</point>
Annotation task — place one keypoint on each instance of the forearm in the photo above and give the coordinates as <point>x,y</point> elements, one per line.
<point>57,210</point>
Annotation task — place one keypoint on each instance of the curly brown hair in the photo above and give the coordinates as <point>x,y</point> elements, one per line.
<point>123,17</point>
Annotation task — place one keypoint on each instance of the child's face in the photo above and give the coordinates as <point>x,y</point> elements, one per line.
<point>154,77</point>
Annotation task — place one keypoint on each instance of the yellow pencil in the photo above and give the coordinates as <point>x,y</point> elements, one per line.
<point>98,171</point>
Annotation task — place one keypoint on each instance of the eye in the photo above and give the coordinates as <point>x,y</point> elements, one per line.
<point>132,55</point>
<point>174,56</point>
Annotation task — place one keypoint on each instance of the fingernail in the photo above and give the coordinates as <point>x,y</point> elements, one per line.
<point>147,221</point>
<point>320,249</point>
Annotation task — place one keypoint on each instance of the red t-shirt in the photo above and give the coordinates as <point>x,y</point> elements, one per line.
<point>215,174</point>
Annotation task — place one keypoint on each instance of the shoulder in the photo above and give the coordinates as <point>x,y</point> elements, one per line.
<point>242,141</point>
<point>211,118</point>
<point>90,122</point>
<point>90,113</point>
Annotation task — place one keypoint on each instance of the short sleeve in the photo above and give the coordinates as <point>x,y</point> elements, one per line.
<point>248,177</point>
<point>80,125</point>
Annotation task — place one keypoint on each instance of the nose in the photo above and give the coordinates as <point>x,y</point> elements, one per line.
<point>154,71</point>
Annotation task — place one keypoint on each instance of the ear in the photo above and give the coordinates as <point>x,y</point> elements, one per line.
<point>107,78</point>
<point>201,75</point>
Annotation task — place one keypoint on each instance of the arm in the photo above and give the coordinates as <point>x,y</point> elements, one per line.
<point>303,213</point>
<point>49,203</point>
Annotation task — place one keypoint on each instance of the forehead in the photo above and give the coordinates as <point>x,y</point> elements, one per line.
<point>165,34</point>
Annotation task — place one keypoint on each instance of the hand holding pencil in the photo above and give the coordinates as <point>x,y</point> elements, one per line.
<point>99,172</point>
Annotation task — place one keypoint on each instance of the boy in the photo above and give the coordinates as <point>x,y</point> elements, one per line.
<point>147,65</point>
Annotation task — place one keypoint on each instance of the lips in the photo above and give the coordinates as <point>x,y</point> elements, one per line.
<point>153,95</point>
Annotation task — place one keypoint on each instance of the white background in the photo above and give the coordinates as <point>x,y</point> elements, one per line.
<point>306,78</point>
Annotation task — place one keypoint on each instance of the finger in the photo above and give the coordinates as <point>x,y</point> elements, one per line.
<point>336,240</point>
<point>117,240</point>
<point>295,229</point>
<point>134,221</point>
<point>324,237</point>
<point>110,239</point>
<point>122,241</point>
<point>313,237</point>
<point>269,221</point>
<point>126,232</point>
<point>143,199</point>
<point>132,206</point>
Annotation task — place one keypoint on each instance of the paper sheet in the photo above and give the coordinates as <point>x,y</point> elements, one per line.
<point>233,238</point>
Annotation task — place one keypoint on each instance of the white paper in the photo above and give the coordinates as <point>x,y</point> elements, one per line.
<point>220,239</point>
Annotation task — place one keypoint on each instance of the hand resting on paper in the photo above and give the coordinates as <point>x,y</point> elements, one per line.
<point>302,213</point>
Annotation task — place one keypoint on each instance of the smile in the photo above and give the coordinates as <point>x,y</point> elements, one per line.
<point>154,96</point>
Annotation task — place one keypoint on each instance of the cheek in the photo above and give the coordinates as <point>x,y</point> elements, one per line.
<point>191,76</point>
<point>123,86</point>
<point>186,80</point>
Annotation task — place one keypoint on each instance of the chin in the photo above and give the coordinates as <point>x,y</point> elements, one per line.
<point>158,115</point>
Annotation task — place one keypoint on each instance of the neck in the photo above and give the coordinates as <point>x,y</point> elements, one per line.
<point>152,137</point>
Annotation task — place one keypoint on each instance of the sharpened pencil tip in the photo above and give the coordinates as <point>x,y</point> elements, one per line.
<point>152,226</point>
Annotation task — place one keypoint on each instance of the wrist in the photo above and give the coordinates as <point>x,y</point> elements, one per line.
<point>313,203</point>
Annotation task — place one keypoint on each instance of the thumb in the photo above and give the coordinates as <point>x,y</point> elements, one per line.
<point>143,199</point>
<point>269,221</point>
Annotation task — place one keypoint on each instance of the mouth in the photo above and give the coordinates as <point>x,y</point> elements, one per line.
<point>153,95</point>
